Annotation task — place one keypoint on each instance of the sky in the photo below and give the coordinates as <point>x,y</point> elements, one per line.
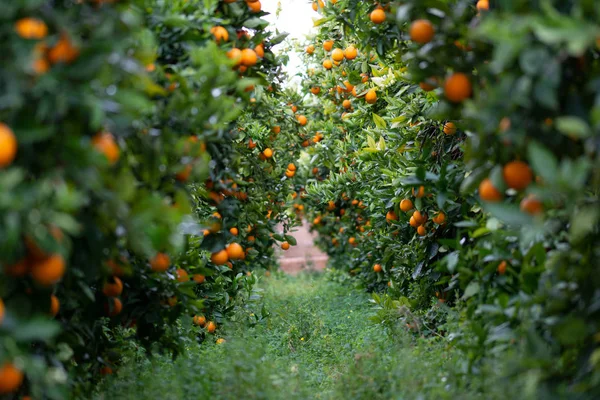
<point>295,18</point>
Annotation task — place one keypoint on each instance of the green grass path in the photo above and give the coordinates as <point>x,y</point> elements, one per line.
<point>316,343</point>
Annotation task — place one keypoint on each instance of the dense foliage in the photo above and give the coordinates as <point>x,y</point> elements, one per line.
<point>459,166</point>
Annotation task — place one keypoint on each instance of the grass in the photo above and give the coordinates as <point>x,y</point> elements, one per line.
<point>316,343</point>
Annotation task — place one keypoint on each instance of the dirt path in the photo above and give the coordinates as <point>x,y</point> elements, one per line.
<point>305,255</point>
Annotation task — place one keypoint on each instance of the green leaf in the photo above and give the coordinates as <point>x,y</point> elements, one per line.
<point>543,162</point>
<point>573,126</point>
<point>36,329</point>
<point>471,290</point>
<point>291,240</point>
<point>379,122</point>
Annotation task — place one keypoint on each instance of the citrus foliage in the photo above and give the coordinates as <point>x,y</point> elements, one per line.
<point>131,205</point>
<point>459,167</point>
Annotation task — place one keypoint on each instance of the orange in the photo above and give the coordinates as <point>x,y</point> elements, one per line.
<point>220,341</point>
<point>458,87</point>
<point>198,278</point>
<point>420,193</point>
<point>377,268</point>
<point>413,222</point>
<point>352,240</point>
<point>371,97</point>
<point>419,218</point>
<point>347,104</point>
<point>235,251</point>
<point>63,51</point>
<point>211,327</point>
<point>251,144</point>
<point>255,6</point>
<point>531,205</point>
<point>184,174</point>
<point>517,175</point>
<point>249,57</point>
<point>49,270</point>
<point>327,64</point>
<point>440,218</point>
<point>328,45</point>
<point>17,269</point>
<point>285,246</point>
<point>234,231</point>
<point>426,86</point>
<point>8,146</point>
<point>291,167</point>
<point>315,90</point>
<point>115,306</point>
<point>276,129</point>
<point>104,142</point>
<point>11,378</point>
<point>302,120</point>
<point>483,5</point>
<point>268,152</point>
<point>290,174</point>
<point>502,268</point>
<point>182,275</point>
<point>31,28</point>
<point>106,371</point>
<point>219,257</point>
<point>488,192</point>
<point>220,33</point>
<point>421,31</point>
<point>160,262</point>
<point>54,305</point>
<point>1,311</point>
<point>350,53</point>
<point>421,230</point>
<point>348,86</point>
<point>391,216</point>
<point>337,55</point>
<point>200,320</point>
<point>377,16</point>
<point>294,108</point>
<point>449,128</point>
<point>310,49</point>
<point>406,205</point>
<point>172,301</point>
<point>113,287</point>
<point>235,54</point>
<point>260,50</point>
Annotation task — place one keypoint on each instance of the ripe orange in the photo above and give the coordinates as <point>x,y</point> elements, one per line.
<point>377,268</point>
<point>113,287</point>
<point>347,104</point>
<point>235,251</point>
<point>31,28</point>
<point>49,270</point>
<point>260,50</point>
<point>421,31</point>
<point>327,64</point>
<point>182,275</point>
<point>199,278</point>
<point>291,167</point>
<point>276,129</point>
<point>502,267</point>
<point>352,240</point>
<point>440,218</point>
<point>426,86</point>
<point>234,231</point>
<point>449,128</point>
<point>337,55</point>
<point>420,193</point>
<point>328,45</point>
<point>371,97</point>
<point>219,257</point>
<point>294,108</point>
<point>235,54</point>
<point>184,174</point>
<point>268,152</point>
<point>160,262</point>
<point>54,305</point>
<point>199,320</point>
<point>350,53</point>
<point>531,205</point>
<point>377,16</point>
<point>11,378</point>
<point>406,205</point>
<point>63,52</point>
<point>1,311</point>
<point>458,87</point>
<point>104,371</point>
<point>419,218</point>
<point>255,6</point>
<point>310,49</point>
<point>251,144</point>
<point>517,175</point>
<point>488,192</point>
<point>421,230</point>
<point>391,216</point>
<point>483,5</point>
<point>115,306</point>
<point>302,120</point>
<point>285,246</point>
<point>220,33</point>
<point>104,142</point>
<point>211,327</point>
<point>249,57</point>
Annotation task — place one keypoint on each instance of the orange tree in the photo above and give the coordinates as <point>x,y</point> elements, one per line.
<point>124,170</point>
<point>479,120</point>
